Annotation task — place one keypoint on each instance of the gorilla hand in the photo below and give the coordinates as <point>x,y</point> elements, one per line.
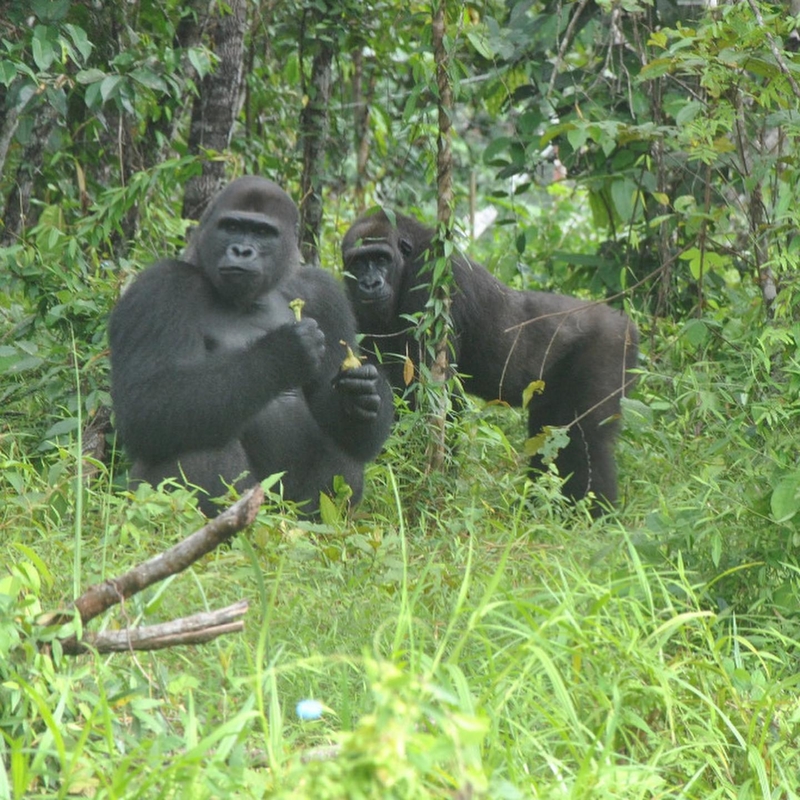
<point>358,390</point>
<point>302,348</point>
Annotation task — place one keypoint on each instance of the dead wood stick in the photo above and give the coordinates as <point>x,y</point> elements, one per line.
<point>197,629</point>
<point>100,597</point>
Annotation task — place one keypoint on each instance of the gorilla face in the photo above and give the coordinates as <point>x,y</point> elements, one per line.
<point>374,270</point>
<point>247,244</point>
<point>244,256</point>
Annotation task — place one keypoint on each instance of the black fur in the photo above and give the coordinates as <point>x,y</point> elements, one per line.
<point>212,376</point>
<point>503,340</point>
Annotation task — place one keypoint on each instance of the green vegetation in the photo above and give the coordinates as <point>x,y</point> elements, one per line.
<point>468,633</point>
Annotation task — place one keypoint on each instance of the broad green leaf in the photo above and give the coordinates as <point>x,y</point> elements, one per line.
<point>109,86</point>
<point>42,48</point>
<point>80,40</point>
<point>548,443</point>
<point>87,76</point>
<point>533,445</point>
<point>481,44</point>
<point>8,72</point>
<point>328,511</point>
<point>657,67</point>
<point>695,332</point>
<point>61,427</point>
<point>624,197</point>
<point>150,79</point>
<point>577,137</point>
<point>495,148</point>
<point>199,59</point>
<point>688,112</point>
<point>785,500</point>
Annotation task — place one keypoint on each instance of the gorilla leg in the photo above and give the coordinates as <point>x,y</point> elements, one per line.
<point>211,470</point>
<point>587,461</point>
<point>583,398</point>
<point>285,437</point>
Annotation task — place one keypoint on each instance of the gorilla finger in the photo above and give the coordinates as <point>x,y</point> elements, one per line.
<point>365,414</point>
<point>363,372</point>
<point>344,382</point>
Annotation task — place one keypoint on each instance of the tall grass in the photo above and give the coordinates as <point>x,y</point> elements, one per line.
<point>467,654</point>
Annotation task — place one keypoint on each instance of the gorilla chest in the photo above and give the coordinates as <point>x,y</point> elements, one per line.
<point>230,329</point>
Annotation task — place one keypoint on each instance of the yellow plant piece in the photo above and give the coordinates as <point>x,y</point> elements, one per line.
<point>297,306</point>
<point>351,360</point>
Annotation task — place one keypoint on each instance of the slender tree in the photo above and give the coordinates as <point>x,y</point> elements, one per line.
<point>364,81</point>
<point>314,127</point>
<point>18,214</point>
<point>217,105</point>
<point>442,279</point>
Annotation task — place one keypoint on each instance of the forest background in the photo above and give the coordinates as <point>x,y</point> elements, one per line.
<point>467,633</point>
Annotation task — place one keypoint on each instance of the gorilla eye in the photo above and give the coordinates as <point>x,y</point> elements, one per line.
<point>260,228</point>
<point>265,230</point>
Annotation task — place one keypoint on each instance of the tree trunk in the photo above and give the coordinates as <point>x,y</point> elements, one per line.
<point>361,102</point>
<point>159,134</point>
<point>215,110</point>
<point>441,288</point>
<point>18,215</point>
<point>314,125</point>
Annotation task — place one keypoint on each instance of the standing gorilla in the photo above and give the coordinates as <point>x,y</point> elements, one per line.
<point>212,375</point>
<point>582,351</point>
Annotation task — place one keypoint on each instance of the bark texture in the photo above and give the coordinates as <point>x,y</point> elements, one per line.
<point>217,106</point>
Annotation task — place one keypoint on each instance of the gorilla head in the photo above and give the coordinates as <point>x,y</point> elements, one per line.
<point>375,269</point>
<point>246,241</point>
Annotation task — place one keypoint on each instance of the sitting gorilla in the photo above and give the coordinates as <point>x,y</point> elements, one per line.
<point>502,341</point>
<point>213,375</point>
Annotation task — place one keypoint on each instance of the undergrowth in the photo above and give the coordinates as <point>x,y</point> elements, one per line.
<point>467,634</point>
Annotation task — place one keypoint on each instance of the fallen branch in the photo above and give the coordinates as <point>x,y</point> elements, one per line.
<point>189,630</point>
<point>197,629</point>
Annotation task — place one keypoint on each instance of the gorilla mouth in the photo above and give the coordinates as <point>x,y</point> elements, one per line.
<point>368,298</point>
<point>234,269</point>
<point>233,273</point>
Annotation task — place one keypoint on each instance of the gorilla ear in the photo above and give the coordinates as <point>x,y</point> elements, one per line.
<point>406,247</point>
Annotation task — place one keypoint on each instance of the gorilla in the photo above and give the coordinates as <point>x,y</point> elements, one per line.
<point>218,378</point>
<point>503,340</point>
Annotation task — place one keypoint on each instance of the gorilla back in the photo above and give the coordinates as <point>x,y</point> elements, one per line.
<point>503,340</point>
<point>216,382</point>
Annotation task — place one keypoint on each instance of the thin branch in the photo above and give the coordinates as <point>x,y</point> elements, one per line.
<point>197,629</point>
<point>565,43</point>
<point>775,50</point>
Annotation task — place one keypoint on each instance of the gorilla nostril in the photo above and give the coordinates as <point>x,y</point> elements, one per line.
<point>242,251</point>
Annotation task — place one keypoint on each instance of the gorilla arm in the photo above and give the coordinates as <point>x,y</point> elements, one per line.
<point>353,406</point>
<point>173,392</point>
